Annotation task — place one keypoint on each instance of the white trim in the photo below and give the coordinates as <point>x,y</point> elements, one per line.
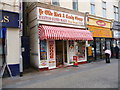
<point>39,55</point>
<point>38,52</point>
<point>60,24</point>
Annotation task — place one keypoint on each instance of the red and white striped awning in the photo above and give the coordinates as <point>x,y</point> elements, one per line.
<point>62,33</point>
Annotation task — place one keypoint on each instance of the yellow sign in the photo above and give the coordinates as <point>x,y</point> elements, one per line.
<point>89,51</point>
<point>100,23</point>
<point>100,32</point>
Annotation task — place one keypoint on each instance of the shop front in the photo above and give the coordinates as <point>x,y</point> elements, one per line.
<point>62,35</point>
<point>58,45</point>
<point>116,36</point>
<point>9,42</point>
<point>102,35</point>
<point>116,33</point>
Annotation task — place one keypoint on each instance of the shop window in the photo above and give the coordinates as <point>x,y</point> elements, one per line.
<point>98,48</point>
<point>102,47</point>
<point>43,50</point>
<point>108,44</point>
<point>71,51</point>
<point>80,49</point>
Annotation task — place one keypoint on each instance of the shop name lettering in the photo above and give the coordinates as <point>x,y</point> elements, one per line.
<point>5,19</point>
<point>60,17</point>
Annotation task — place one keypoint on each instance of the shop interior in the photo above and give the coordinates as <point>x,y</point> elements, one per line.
<point>61,52</point>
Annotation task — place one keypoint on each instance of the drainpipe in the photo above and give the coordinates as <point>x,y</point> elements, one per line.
<point>20,35</point>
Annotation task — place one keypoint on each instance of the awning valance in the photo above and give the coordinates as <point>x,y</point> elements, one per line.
<point>63,33</point>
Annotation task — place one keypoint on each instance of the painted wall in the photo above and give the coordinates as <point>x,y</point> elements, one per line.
<point>66,4</point>
<point>34,39</point>
<point>13,39</point>
<point>84,6</point>
<point>10,5</point>
<point>13,50</point>
<point>34,50</point>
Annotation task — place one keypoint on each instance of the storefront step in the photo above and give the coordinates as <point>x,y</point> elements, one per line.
<point>61,66</point>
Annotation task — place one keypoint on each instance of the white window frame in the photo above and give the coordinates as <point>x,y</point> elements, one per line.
<point>92,4</point>
<point>104,9</point>
<point>55,1</point>
<point>116,13</point>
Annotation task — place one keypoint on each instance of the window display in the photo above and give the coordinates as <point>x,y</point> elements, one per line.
<point>43,50</point>
<point>108,44</point>
<point>80,50</point>
<point>71,51</point>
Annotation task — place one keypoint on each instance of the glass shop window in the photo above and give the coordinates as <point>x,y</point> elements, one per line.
<point>43,50</point>
<point>80,49</point>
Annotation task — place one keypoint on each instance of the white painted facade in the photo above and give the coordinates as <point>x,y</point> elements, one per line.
<point>84,6</point>
<point>34,22</point>
<point>12,35</point>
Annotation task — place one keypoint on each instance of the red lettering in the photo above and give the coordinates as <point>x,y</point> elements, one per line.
<point>69,17</point>
<point>48,12</point>
<point>57,14</point>
<point>40,11</point>
<point>77,18</point>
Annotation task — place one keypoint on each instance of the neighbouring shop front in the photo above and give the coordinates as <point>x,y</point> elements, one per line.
<point>9,42</point>
<point>116,36</point>
<point>61,36</point>
<point>102,35</point>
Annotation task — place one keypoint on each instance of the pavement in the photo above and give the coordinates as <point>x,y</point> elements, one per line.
<point>90,75</point>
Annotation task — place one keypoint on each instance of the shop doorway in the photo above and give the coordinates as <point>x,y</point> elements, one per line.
<point>65,52</point>
<point>60,52</point>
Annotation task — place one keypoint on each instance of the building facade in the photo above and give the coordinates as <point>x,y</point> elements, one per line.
<point>104,9</point>
<point>98,11</point>
<point>56,36</point>
<point>9,36</point>
<point>102,34</point>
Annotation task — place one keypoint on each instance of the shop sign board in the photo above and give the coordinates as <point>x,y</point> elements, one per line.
<point>116,34</point>
<point>100,23</point>
<point>9,19</point>
<point>100,31</point>
<point>116,26</point>
<point>51,49</point>
<point>89,51</point>
<point>59,17</point>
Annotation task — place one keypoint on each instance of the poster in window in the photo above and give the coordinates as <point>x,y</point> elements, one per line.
<point>80,50</point>
<point>51,49</point>
<point>43,53</point>
<point>71,51</point>
<point>43,50</point>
